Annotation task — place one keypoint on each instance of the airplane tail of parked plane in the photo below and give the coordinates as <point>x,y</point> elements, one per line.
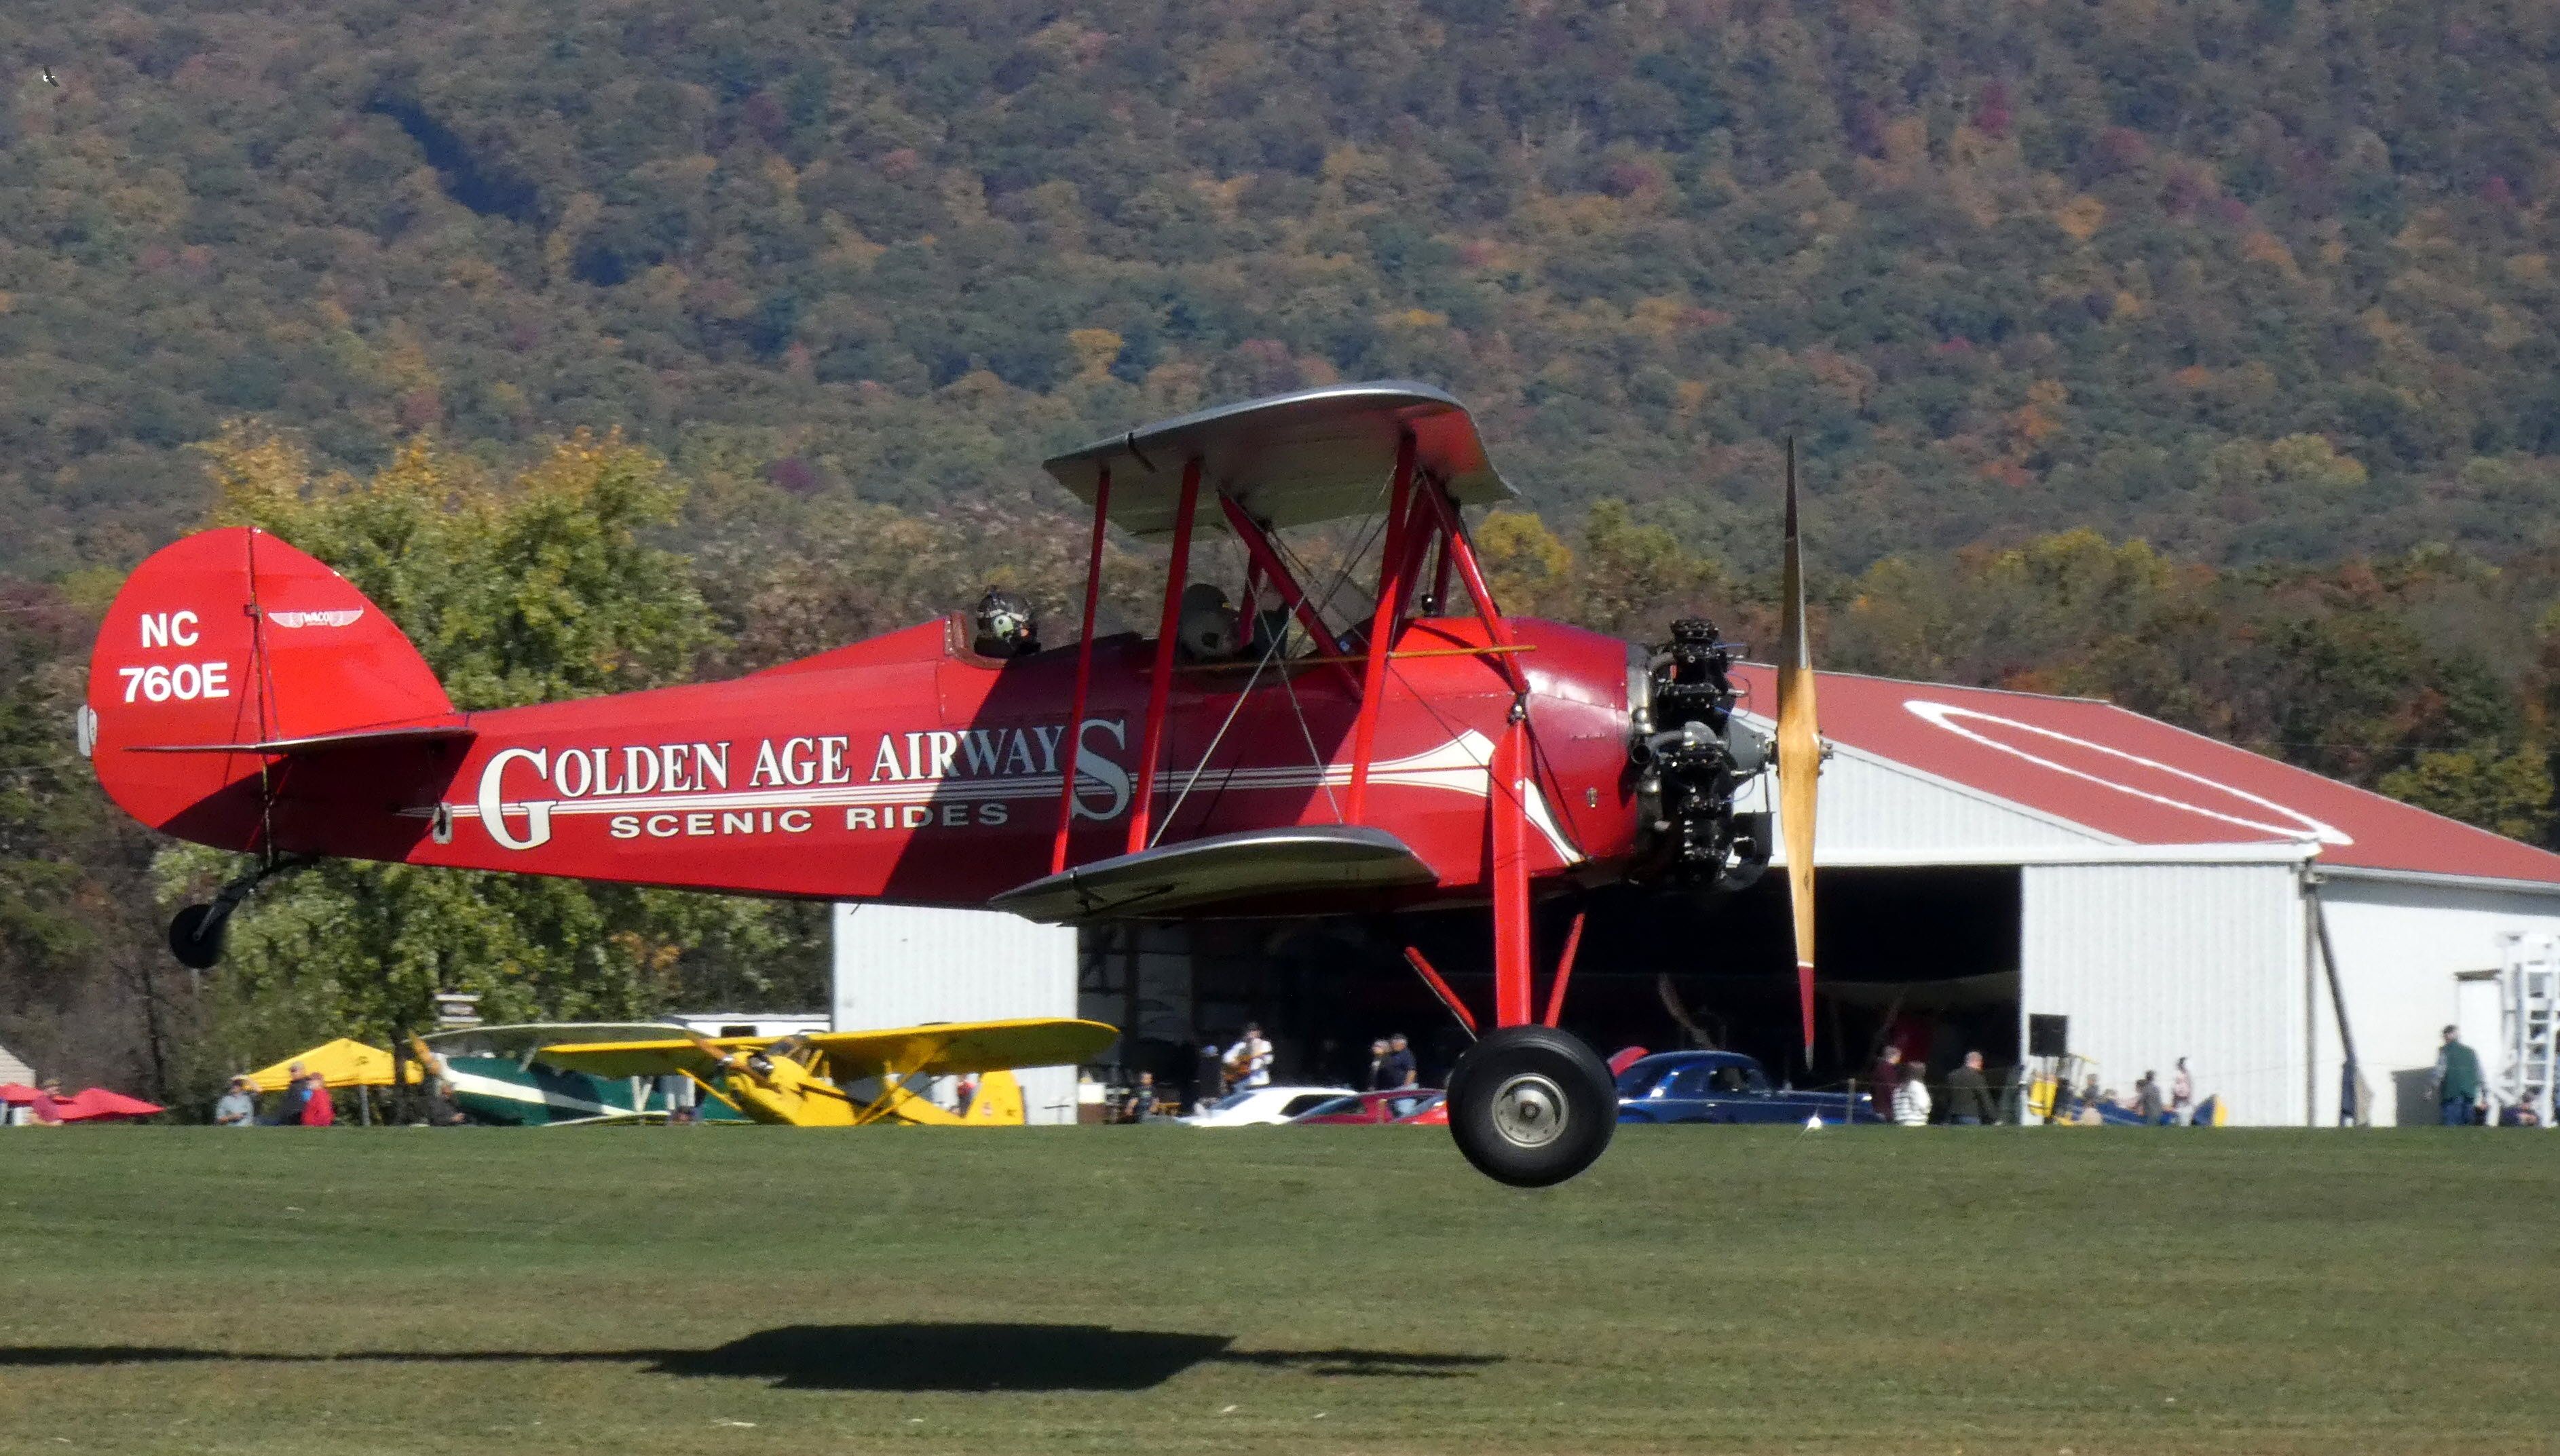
<point>228,657</point>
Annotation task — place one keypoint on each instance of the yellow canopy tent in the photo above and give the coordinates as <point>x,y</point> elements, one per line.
<point>345,1061</point>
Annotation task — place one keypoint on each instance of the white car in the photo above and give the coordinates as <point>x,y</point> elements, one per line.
<point>1256,1106</point>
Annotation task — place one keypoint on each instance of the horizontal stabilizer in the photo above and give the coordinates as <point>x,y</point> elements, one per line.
<point>1189,877</point>
<point>324,742</point>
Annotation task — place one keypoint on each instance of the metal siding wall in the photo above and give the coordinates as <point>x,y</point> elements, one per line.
<point>2156,962</point>
<point>2399,945</point>
<point>898,965</point>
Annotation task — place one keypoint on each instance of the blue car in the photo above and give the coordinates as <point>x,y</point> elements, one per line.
<point>1724,1086</point>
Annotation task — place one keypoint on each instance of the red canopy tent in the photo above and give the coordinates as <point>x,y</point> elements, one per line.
<point>97,1104</point>
<point>17,1094</point>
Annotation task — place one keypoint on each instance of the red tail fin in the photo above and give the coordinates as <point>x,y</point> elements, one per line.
<point>225,652</point>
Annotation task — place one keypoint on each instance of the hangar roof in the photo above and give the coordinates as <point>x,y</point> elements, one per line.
<point>2123,779</point>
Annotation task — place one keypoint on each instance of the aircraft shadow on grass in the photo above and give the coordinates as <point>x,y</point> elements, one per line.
<point>902,1357</point>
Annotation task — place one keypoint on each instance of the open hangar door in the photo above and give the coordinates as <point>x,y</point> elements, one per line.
<point>1926,955</point>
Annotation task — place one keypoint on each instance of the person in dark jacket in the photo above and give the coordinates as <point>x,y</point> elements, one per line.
<point>2457,1082</point>
<point>1884,1079</point>
<point>297,1093</point>
<point>1969,1096</point>
<point>1208,1076</point>
<point>1400,1068</point>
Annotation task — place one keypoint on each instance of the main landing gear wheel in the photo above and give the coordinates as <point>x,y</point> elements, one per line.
<point>196,936</point>
<point>1531,1105</point>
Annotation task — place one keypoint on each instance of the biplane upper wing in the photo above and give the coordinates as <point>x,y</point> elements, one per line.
<point>1292,459</point>
<point>964,1045</point>
<point>521,1040</point>
<point>930,1049</point>
<point>653,1058</point>
<point>1197,876</point>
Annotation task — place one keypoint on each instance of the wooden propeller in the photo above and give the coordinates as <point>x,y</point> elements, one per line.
<point>1800,754</point>
<point>725,1061</point>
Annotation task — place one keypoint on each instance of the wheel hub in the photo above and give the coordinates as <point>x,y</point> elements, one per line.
<point>1530,1110</point>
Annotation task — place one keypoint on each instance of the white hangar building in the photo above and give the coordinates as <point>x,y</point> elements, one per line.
<point>2173,890</point>
<point>1989,860</point>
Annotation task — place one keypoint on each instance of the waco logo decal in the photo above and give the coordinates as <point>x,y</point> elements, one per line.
<point>340,616</point>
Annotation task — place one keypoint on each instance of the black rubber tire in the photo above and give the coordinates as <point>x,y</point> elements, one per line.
<point>1531,1105</point>
<point>197,944</point>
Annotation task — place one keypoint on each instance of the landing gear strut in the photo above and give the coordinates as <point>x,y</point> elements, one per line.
<point>196,933</point>
<point>1532,1105</point>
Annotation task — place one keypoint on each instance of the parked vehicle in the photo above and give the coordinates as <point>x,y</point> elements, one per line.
<point>1432,1114</point>
<point>1725,1086</point>
<point>1262,1105</point>
<point>1370,1108</point>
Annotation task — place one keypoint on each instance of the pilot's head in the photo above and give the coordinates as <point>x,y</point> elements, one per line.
<point>1006,627</point>
<point>1208,628</point>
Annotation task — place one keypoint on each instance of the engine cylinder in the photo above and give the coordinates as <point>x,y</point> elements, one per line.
<point>1692,757</point>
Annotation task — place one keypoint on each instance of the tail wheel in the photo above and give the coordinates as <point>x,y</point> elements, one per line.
<point>1531,1105</point>
<point>196,937</point>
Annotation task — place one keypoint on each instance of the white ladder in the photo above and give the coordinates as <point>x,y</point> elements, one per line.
<point>2528,1062</point>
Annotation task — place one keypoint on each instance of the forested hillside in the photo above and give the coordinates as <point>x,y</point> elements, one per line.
<point>2251,278</point>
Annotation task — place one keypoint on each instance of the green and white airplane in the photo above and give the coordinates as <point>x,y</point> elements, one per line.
<point>496,1077</point>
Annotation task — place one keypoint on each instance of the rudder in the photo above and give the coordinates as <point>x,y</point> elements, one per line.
<point>221,652</point>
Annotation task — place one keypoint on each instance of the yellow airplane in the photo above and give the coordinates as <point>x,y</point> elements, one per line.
<point>816,1080</point>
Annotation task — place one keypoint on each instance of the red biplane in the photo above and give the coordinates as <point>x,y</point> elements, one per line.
<point>1268,755</point>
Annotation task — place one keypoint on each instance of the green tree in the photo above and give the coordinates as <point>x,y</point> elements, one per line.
<point>2505,794</point>
<point>539,586</point>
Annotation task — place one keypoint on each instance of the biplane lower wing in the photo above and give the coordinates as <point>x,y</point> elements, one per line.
<point>1197,876</point>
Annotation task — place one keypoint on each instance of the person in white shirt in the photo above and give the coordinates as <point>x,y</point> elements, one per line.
<point>1248,1062</point>
<point>1911,1100</point>
<point>2182,1094</point>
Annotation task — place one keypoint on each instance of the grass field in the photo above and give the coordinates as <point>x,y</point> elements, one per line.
<point>1145,1290</point>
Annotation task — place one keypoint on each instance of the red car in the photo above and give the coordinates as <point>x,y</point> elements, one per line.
<point>1372,1108</point>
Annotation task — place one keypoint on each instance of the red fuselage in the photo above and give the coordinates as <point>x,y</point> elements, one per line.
<point>908,768</point>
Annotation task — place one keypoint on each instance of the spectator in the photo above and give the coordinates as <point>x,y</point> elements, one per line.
<point>2065,1101</point>
<point>318,1109</point>
<point>442,1112</point>
<point>1401,1070</point>
<point>42,1108</point>
<point>2091,1100</point>
<point>1911,1098</point>
<point>1886,1078</point>
<point>1377,1066</point>
<point>2148,1104</point>
<point>1969,1096</point>
<point>676,1098</point>
<point>2182,1094</point>
<point>238,1104</point>
<point>297,1093</point>
<point>2457,1082</point>
<point>1248,1062</point>
<point>1208,1077</point>
<point>1142,1098</point>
